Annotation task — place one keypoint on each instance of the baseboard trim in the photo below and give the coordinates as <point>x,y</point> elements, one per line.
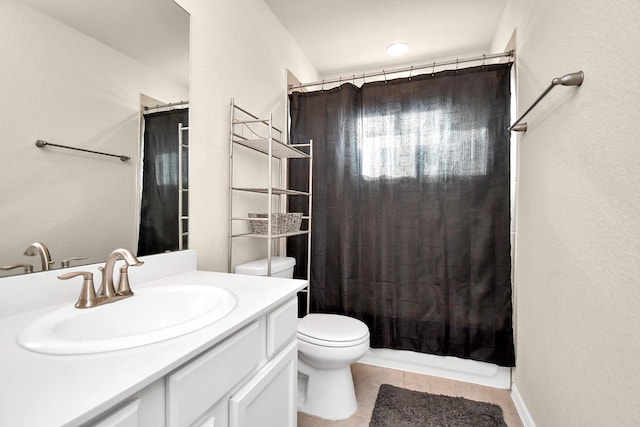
<point>523,412</point>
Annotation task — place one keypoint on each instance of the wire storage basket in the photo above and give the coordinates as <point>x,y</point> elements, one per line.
<point>281,223</point>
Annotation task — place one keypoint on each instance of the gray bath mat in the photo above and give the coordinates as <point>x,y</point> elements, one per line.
<point>399,407</point>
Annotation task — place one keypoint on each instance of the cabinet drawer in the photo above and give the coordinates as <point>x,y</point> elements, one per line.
<point>144,408</point>
<point>282,324</point>
<point>202,382</point>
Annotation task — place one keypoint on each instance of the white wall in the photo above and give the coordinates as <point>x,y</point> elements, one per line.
<point>66,88</point>
<point>578,212</point>
<point>238,50</point>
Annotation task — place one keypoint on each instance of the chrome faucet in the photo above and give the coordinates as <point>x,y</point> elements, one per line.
<point>41,249</point>
<point>107,293</point>
<point>106,287</point>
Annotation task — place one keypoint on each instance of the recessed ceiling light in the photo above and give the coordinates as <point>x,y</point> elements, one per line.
<point>397,49</point>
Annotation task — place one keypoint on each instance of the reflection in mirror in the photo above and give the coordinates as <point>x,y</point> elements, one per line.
<point>163,213</point>
<point>74,73</point>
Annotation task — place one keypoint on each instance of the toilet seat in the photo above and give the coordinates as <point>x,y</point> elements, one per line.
<point>332,330</point>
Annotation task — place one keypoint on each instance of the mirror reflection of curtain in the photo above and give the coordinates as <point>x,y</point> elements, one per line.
<point>159,207</point>
<point>411,220</point>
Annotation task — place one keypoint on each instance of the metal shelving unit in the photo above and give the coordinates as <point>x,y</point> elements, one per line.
<point>253,133</point>
<point>183,188</point>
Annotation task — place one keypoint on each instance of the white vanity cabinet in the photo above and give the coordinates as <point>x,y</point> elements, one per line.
<point>201,383</point>
<point>231,372</point>
<point>249,379</point>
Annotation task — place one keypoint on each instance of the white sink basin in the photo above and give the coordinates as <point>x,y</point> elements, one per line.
<point>151,315</point>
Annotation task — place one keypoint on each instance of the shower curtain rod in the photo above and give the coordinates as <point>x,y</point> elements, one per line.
<point>410,69</point>
<point>161,106</point>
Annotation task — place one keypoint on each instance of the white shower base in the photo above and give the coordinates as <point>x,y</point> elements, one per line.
<point>454,368</point>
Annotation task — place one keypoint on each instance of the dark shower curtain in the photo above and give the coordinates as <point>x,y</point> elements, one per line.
<point>159,207</point>
<point>411,220</point>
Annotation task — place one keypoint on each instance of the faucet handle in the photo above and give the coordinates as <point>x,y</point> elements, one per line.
<point>28,268</point>
<point>87,296</point>
<point>65,263</point>
<point>123,282</point>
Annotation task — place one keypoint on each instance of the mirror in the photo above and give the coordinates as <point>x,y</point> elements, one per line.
<point>76,73</point>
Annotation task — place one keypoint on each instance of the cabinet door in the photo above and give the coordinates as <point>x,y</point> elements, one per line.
<point>269,398</point>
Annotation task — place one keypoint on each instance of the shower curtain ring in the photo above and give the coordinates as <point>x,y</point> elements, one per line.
<point>433,69</point>
<point>484,57</point>
<point>340,82</point>
<point>322,84</point>
<point>385,76</point>
<point>354,80</point>
<point>410,72</point>
<point>456,65</point>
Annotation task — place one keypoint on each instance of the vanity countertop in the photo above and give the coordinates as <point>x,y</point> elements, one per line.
<point>39,389</point>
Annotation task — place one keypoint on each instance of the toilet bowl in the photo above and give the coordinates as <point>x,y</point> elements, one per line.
<point>327,345</point>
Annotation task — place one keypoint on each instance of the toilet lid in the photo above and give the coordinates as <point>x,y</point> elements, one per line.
<point>332,328</point>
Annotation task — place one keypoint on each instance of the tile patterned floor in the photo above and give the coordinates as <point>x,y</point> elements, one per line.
<point>367,380</point>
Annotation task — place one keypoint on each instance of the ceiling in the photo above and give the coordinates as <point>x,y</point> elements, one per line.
<point>338,36</point>
<point>342,36</point>
<point>154,32</point>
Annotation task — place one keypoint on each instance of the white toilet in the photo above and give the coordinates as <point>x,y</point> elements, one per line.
<point>327,345</point>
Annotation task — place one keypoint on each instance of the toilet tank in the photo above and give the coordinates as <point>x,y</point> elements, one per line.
<point>280,267</point>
